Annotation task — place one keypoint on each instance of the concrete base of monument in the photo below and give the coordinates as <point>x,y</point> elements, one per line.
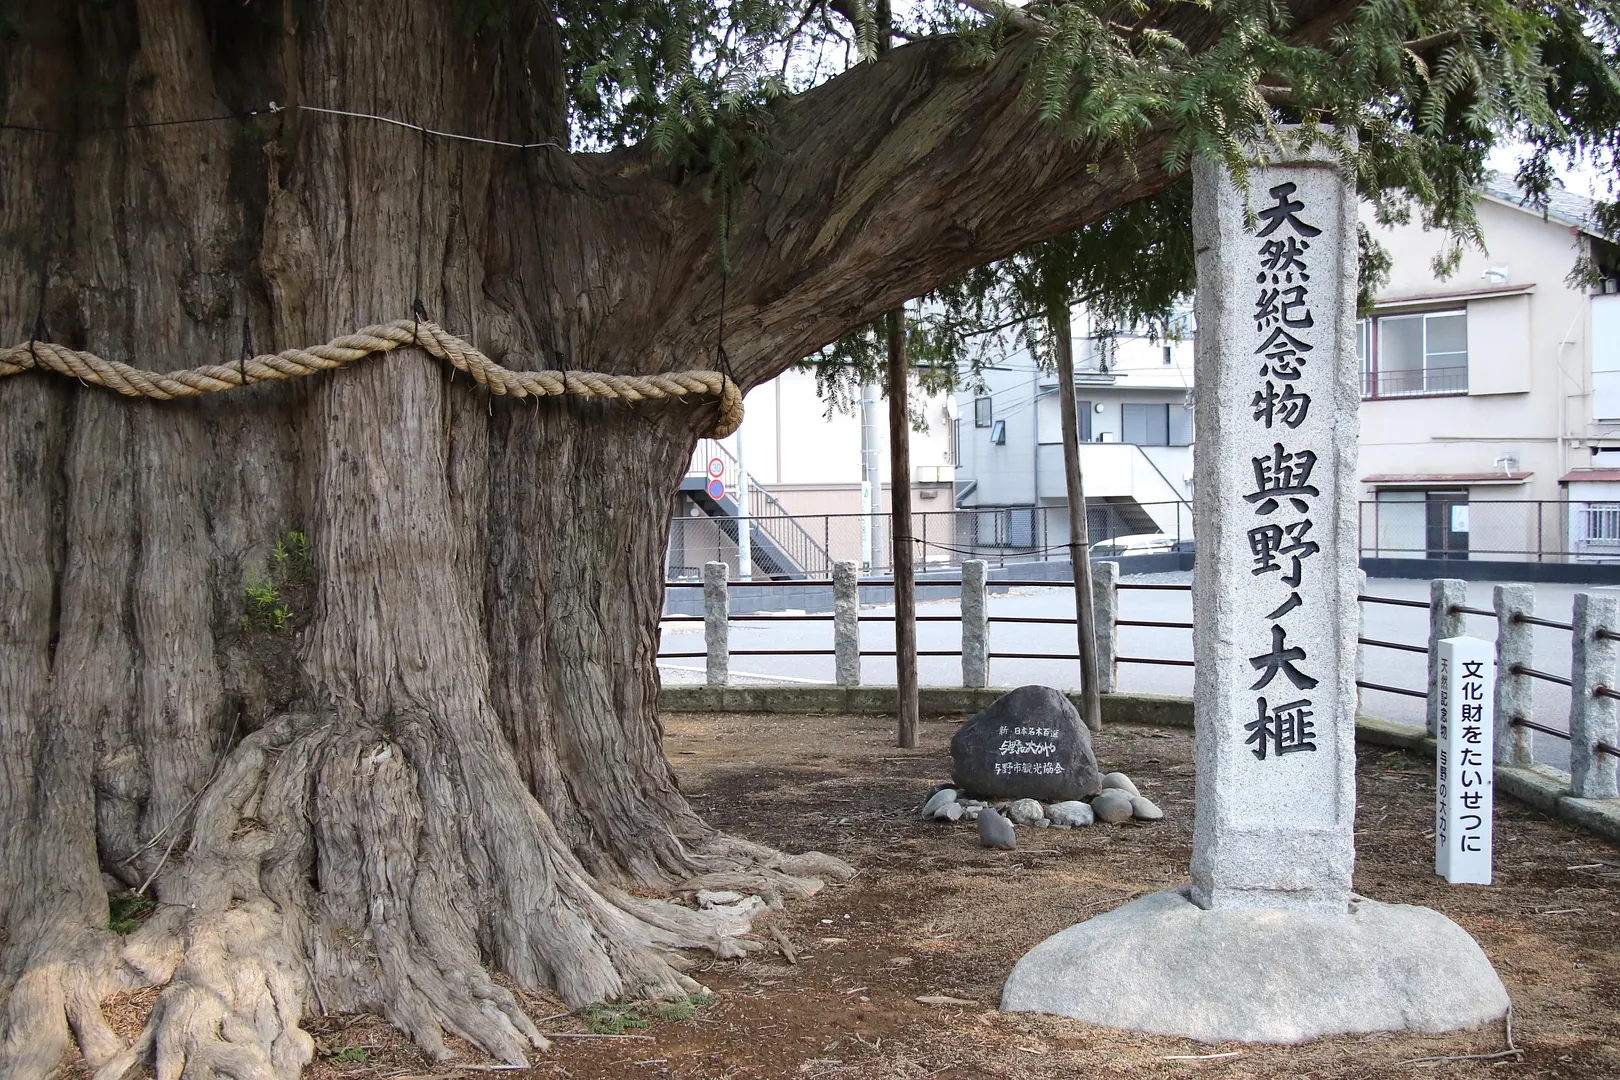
<point>1161,964</point>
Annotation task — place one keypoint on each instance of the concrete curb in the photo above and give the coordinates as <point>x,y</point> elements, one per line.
<point>1539,786</point>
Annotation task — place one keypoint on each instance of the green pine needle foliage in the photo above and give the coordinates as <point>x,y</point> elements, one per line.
<point>1412,94</point>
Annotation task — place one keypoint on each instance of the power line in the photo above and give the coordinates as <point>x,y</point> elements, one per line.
<point>273,109</point>
<point>425,130</point>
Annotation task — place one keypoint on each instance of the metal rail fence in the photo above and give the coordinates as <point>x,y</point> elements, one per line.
<point>1594,629</point>
<point>1436,524</point>
<point>864,617</point>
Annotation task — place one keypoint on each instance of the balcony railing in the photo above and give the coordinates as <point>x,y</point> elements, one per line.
<point>1421,383</point>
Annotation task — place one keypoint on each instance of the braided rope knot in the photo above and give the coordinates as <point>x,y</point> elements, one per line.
<point>340,352</point>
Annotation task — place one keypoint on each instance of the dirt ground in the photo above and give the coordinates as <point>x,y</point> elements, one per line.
<point>933,914</point>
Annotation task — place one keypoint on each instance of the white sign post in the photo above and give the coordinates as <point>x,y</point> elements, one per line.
<point>1465,761</point>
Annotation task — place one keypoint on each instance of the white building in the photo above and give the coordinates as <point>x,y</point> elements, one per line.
<point>1134,406</point>
<point>1490,419</point>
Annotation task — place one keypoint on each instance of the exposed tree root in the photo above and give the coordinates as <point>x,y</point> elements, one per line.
<point>743,866</point>
<point>232,1006</point>
<point>57,1000</point>
<point>342,868</point>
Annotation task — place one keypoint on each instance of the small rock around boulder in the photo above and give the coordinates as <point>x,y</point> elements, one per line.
<point>1112,806</point>
<point>1029,743</point>
<point>996,831</point>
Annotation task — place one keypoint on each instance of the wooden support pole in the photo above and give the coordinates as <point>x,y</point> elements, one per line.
<point>1079,549</point>
<point>902,551</point>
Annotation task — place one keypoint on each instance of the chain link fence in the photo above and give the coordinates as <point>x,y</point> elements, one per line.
<point>1411,525</point>
<point>1449,525</point>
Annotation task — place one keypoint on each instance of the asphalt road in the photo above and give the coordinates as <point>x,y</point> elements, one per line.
<point>1383,622</point>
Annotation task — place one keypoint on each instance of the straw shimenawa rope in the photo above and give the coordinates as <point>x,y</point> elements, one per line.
<point>211,379</point>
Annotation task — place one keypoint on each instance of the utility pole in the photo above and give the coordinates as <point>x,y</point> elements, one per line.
<point>1079,548</point>
<point>901,552</point>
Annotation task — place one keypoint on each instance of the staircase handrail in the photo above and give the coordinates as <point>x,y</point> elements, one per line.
<point>799,545</point>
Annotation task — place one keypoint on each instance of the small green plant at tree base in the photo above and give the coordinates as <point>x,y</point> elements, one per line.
<point>675,1010</point>
<point>125,914</point>
<point>290,566</point>
<point>349,1055</point>
<point>608,1019</point>
<point>290,562</point>
<point>266,610</point>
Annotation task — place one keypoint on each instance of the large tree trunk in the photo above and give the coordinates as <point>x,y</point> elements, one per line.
<point>443,759</point>
<point>447,759</point>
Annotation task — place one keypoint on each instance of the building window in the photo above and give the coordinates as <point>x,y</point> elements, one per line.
<point>1156,425</point>
<point>981,412</point>
<point>998,433</point>
<point>1602,522</point>
<point>1414,355</point>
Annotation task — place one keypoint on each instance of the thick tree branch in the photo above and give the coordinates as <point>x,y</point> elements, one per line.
<point>899,175</point>
<point>882,184</point>
<point>997,9</point>
<point>896,177</point>
<point>1424,44</point>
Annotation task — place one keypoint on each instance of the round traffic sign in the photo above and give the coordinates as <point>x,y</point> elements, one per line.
<point>717,489</point>
<point>717,468</point>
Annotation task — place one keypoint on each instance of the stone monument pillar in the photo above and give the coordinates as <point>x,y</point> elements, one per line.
<point>1274,593</point>
<point>1268,944</point>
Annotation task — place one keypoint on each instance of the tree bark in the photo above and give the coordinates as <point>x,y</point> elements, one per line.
<point>442,759</point>
<point>1085,616</point>
<point>446,761</point>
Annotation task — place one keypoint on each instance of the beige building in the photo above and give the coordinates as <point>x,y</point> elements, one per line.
<point>1490,417</point>
<point>804,487</point>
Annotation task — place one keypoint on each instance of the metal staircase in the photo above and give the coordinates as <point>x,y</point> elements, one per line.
<point>780,546</point>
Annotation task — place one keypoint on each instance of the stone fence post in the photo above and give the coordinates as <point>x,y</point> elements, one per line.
<point>1515,645</point>
<point>975,625</point>
<point>1105,615</point>
<point>847,623</point>
<point>717,622</point>
<point>1592,775</point>
<point>1444,594</point>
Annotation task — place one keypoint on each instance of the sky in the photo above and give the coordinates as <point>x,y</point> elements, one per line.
<point>1580,177</point>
